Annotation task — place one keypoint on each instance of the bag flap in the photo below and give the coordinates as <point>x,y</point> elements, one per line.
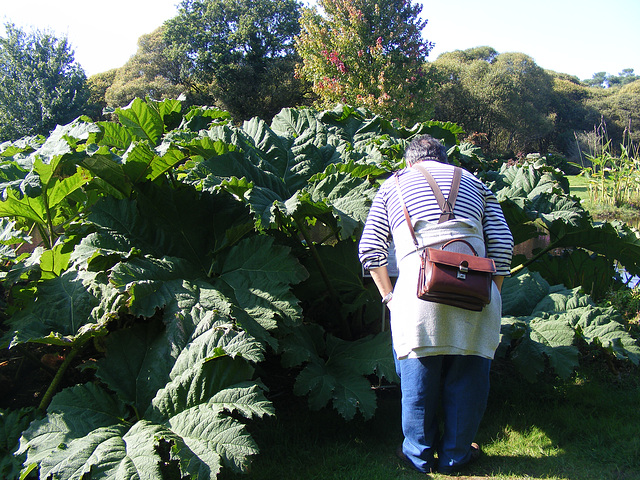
<point>454,259</point>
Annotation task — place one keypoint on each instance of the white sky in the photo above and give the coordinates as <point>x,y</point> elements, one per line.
<point>104,34</point>
<point>579,37</point>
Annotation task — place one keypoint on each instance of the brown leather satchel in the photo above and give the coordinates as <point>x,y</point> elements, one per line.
<point>452,278</point>
<point>457,279</point>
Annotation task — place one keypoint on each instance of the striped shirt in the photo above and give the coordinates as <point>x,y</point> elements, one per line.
<point>475,202</point>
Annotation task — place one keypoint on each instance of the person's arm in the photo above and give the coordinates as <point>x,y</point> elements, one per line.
<point>498,237</point>
<point>380,276</point>
<point>373,249</point>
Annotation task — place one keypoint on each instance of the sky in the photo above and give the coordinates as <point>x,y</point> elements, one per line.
<point>578,37</point>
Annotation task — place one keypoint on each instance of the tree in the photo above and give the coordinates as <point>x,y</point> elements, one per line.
<point>619,108</point>
<point>98,85</point>
<point>148,73</point>
<point>464,96</point>
<point>505,96</point>
<point>238,53</point>
<point>572,113</point>
<point>599,79</point>
<point>368,54</point>
<point>40,83</point>
<point>605,80</point>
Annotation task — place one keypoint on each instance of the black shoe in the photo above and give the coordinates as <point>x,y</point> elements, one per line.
<point>475,455</point>
<point>408,463</point>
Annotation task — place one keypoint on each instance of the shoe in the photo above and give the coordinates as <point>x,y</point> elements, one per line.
<point>400,454</point>
<point>475,455</point>
<point>408,463</point>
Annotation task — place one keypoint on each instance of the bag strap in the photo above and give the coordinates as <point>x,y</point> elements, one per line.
<point>446,206</point>
<point>406,212</point>
<point>463,241</point>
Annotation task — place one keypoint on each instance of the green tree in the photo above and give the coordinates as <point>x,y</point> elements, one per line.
<point>369,54</point>
<point>599,79</point>
<point>605,80</point>
<point>237,54</point>
<point>627,76</point>
<point>98,85</point>
<point>148,73</point>
<point>619,109</point>
<point>504,96</point>
<point>572,113</point>
<point>40,83</point>
<point>464,96</point>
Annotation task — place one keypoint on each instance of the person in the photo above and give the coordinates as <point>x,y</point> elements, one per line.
<point>443,353</point>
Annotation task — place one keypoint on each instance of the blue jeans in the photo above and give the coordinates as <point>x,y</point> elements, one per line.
<point>458,384</point>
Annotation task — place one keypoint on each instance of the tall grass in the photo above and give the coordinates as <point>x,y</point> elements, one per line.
<point>613,177</point>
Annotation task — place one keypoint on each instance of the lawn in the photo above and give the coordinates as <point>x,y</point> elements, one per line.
<point>630,214</point>
<point>580,430</point>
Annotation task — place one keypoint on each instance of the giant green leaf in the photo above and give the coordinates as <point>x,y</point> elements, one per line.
<point>190,400</point>
<point>550,333</point>
<point>561,299</point>
<point>613,240</point>
<point>345,276</point>
<point>349,197</point>
<point>203,450</point>
<point>105,409</point>
<point>9,237</point>
<point>603,327</point>
<point>261,274</point>
<point>577,268</point>
<point>336,372</point>
<point>11,176</point>
<point>278,161</point>
<point>142,120</point>
<point>556,337</point>
<point>107,452</point>
<point>62,312</point>
<point>151,283</point>
<point>522,292</point>
<point>115,135</point>
<point>33,209</point>
<point>137,364</point>
<point>12,424</point>
<point>141,162</point>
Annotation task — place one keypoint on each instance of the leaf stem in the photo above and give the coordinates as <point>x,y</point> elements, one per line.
<point>172,179</point>
<point>540,254</point>
<point>53,387</point>
<point>44,236</point>
<point>49,220</point>
<point>335,301</point>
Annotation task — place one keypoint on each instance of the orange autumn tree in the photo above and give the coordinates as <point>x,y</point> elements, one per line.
<point>368,54</point>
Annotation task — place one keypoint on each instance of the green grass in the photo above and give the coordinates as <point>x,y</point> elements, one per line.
<point>582,430</point>
<point>627,213</point>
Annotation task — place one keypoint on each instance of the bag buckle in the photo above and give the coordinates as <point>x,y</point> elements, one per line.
<point>463,269</point>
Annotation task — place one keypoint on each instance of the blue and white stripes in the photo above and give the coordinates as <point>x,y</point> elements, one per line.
<point>475,201</point>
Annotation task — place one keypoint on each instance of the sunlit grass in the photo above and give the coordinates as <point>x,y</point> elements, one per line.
<point>628,213</point>
<point>585,429</point>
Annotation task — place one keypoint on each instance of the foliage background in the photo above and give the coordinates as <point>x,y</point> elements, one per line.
<point>226,248</point>
<point>40,84</point>
<point>257,77</point>
<point>367,54</point>
<point>185,261</point>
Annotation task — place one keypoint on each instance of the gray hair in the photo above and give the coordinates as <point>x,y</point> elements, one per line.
<point>425,147</point>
